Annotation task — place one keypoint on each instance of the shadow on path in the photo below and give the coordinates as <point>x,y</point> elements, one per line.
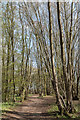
<point>34,108</point>
<point>33,116</point>
<point>27,116</point>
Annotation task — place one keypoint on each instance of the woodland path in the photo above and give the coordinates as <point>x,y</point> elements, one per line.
<point>34,108</point>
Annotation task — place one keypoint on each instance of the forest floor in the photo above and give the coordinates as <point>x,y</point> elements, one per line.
<point>34,108</point>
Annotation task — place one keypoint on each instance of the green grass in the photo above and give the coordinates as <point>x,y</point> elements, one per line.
<point>0,110</point>
<point>54,112</point>
<point>18,99</point>
<point>29,95</point>
<point>53,108</point>
<point>77,107</point>
<point>10,105</point>
<point>0,105</point>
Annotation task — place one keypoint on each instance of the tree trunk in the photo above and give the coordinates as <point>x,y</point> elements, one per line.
<point>67,77</point>
<point>12,41</point>
<point>78,82</point>
<point>3,73</point>
<point>45,92</point>
<point>54,81</point>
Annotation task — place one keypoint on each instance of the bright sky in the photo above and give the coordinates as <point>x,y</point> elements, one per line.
<point>40,0</point>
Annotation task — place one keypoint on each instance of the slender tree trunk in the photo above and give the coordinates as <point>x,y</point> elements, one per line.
<point>41,70</point>
<point>12,41</point>
<point>22,63</point>
<point>26,84</point>
<point>4,92</point>
<point>45,92</point>
<point>54,81</point>
<point>38,66</point>
<point>67,77</point>
<point>13,69</point>
<point>78,83</point>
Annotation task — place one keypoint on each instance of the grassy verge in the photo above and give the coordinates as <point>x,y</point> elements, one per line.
<point>29,95</point>
<point>54,112</point>
<point>10,105</point>
<point>77,107</point>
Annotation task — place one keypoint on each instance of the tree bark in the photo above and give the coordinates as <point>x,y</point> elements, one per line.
<point>12,41</point>
<point>67,77</point>
<point>54,81</point>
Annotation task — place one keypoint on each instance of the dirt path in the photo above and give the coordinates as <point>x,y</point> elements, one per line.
<point>34,108</point>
